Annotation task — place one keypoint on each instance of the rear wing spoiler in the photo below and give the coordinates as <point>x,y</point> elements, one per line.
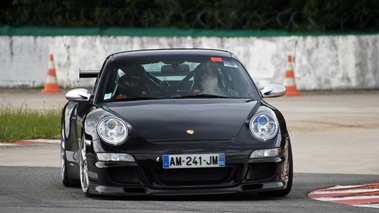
<point>87,74</point>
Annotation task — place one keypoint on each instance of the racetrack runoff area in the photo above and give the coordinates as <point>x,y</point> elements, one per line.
<point>331,132</point>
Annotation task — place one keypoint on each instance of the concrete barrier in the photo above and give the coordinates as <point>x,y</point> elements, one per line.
<point>321,62</point>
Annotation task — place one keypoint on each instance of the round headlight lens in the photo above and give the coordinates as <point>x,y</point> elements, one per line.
<point>112,131</point>
<point>264,126</point>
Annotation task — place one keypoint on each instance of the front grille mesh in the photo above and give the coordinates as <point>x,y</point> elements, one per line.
<point>123,175</point>
<point>196,176</point>
<point>261,171</point>
<point>193,177</point>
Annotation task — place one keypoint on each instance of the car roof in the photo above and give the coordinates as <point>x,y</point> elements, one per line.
<point>173,51</point>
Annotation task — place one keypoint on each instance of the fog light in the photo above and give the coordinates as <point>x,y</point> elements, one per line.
<point>264,153</point>
<point>115,157</point>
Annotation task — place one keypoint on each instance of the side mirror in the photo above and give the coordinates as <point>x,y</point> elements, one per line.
<point>273,90</point>
<point>79,94</point>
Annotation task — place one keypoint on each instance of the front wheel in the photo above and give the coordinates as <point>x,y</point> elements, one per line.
<point>83,170</point>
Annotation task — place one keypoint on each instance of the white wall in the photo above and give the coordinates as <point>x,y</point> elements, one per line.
<point>322,62</point>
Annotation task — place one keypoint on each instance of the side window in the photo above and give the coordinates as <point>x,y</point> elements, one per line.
<point>110,85</point>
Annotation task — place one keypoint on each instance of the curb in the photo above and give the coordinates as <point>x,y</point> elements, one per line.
<point>361,195</point>
<point>31,142</point>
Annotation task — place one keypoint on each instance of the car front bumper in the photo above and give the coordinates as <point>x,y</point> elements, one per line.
<point>132,179</point>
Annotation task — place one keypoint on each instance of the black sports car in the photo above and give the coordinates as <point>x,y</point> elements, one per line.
<point>175,122</point>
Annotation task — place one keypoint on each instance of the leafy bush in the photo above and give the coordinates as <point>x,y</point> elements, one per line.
<point>290,15</point>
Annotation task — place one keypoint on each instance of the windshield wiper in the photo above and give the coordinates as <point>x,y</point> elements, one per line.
<point>202,96</point>
<point>136,99</point>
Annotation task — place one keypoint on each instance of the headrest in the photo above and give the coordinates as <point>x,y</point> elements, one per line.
<point>168,68</point>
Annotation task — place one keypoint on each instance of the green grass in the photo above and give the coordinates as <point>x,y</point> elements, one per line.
<point>21,124</point>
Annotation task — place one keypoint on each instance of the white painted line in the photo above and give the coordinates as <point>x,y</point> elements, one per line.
<point>347,198</point>
<point>344,191</point>
<point>44,140</point>
<point>369,205</point>
<point>7,144</point>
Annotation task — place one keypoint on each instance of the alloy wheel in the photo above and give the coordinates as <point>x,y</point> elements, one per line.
<point>84,179</point>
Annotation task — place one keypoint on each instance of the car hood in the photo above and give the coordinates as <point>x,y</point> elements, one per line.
<point>185,120</point>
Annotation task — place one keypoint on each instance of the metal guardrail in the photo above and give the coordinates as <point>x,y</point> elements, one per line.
<point>204,19</point>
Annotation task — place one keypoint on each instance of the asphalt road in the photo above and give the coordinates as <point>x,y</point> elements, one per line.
<point>38,189</point>
<point>334,138</point>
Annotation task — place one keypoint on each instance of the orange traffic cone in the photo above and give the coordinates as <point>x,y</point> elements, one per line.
<point>289,81</point>
<point>51,85</point>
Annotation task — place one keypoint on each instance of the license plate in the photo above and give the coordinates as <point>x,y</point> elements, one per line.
<point>193,161</point>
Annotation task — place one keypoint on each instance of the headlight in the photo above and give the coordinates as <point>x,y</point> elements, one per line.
<point>112,131</point>
<point>264,126</point>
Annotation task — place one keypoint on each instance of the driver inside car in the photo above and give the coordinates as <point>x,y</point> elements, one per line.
<point>132,84</point>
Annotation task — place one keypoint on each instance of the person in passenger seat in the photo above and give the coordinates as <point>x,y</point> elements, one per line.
<point>208,80</point>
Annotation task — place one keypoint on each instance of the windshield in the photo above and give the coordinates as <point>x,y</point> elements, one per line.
<point>176,77</point>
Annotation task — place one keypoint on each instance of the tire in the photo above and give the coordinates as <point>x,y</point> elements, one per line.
<point>83,170</point>
<point>286,191</point>
<point>64,175</point>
